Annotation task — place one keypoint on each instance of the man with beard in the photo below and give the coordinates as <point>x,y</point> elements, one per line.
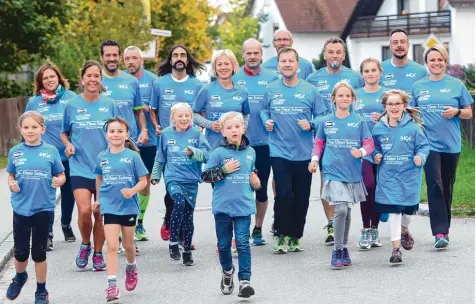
<point>325,79</point>
<point>399,72</point>
<point>134,60</point>
<point>292,108</point>
<point>177,83</point>
<point>255,79</point>
<point>124,89</point>
<point>281,39</point>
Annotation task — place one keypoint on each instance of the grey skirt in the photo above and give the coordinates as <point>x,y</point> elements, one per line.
<point>336,192</point>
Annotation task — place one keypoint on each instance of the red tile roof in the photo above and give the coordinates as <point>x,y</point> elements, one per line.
<point>316,15</point>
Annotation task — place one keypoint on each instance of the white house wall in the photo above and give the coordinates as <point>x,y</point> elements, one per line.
<point>309,45</point>
<point>462,36</point>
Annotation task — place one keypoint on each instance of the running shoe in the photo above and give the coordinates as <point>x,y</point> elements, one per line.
<point>329,240</point>
<point>165,229</point>
<point>246,290</point>
<point>15,287</point>
<point>98,262</point>
<point>132,277</point>
<point>112,294</point>
<point>365,241</point>
<point>42,297</point>
<point>396,257</point>
<point>68,233</point>
<point>441,241</point>
<point>83,256</point>
<point>226,284</point>
<point>257,238</point>
<point>174,252</point>
<point>375,240</point>
<point>336,259</point>
<point>49,244</point>
<point>346,261</point>
<point>294,244</point>
<point>280,244</point>
<point>187,259</point>
<point>407,240</point>
<point>141,234</point>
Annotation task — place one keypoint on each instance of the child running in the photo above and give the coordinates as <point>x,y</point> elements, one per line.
<point>401,149</point>
<point>35,171</point>
<point>231,168</point>
<point>343,138</point>
<point>121,174</point>
<point>181,151</point>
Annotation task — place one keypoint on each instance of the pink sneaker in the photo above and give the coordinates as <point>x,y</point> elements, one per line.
<point>112,294</point>
<point>132,277</point>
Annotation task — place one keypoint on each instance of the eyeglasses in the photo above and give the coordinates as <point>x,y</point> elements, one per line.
<point>282,40</point>
<point>397,104</point>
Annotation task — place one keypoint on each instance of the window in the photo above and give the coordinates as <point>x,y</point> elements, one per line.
<point>386,53</point>
<point>403,7</point>
<point>419,50</point>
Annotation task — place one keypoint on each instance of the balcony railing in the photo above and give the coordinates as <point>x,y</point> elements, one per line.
<point>413,24</point>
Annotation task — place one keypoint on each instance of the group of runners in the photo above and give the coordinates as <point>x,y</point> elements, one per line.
<point>369,134</point>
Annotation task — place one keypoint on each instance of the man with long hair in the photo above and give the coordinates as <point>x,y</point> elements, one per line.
<point>177,83</point>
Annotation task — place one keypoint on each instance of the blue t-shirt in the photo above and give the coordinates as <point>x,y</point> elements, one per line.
<point>216,101</point>
<point>340,136</point>
<point>34,168</point>
<point>124,90</point>
<point>84,121</point>
<point>431,98</point>
<point>178,166</point>
<point>367,103</point>
<point>305,67</point>
<point>233,195</point>
<point>325,82</point>
<point>146,84</point>
<point>285,106</point>
<point>168,92</point>
<point>401,78</point>
<point>398,178</point>
<point>119,171</point>
<point>53,115</point>
<point>256,86</point>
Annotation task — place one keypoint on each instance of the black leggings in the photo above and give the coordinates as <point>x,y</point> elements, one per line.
<point>35,227</point>
<point>169,206</point>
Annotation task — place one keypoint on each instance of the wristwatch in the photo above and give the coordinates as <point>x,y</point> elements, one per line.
<point>459,113</point>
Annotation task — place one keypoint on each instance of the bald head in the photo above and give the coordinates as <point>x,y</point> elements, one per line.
<point>252,53</point>
<point>282,38</point>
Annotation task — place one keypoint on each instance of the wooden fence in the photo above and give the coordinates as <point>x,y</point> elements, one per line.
<point>12,108</point>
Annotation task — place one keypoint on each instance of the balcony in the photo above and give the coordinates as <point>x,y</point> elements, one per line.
<point>413,24</point>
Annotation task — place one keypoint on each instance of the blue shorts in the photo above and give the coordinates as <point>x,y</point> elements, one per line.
<point>79,182</point>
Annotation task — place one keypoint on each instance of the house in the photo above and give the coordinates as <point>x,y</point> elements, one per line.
<point>311,22</point>
<point>450,21</point>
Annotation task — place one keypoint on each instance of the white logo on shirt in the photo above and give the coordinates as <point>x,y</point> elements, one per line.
<point>410,75</point>
<point>237,98</point>
<point>384,139</point>
<point>249,157</point>
<point>143,85</point>
<point>278,95</point>
<point>189,92</point>
<point>405,138</point>
<point>168,91</point>
<point>82,110</point>
<point>63,101</point>
<point>444,90</point>
<point>241,82</point>
<point>353,124</point>
<point>262,82</point>
<point>123,86</point>
<point>171,142</point>
<point>227,159</point>
<point>388,76</point>
<point>320,82</point>
<point>104,163</point>
<point>330,124</point>
<point>18,154</point>
<point>215,97</point>
<point>192,140</point>
<point>299,96</point>
<point>126,160</point>
<point>422,92</point>
<point>103,109</point>
<point>345,80</point>
<point>44,155</point>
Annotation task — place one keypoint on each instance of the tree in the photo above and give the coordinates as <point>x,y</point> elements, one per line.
<point>188,20</point>
<point>94,22</point>
<point>236,28</point>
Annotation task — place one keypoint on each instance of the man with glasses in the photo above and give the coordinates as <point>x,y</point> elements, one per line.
<point>281,39</point>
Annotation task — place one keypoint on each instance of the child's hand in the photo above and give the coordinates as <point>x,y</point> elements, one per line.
<point>312,167</point>
<point>269,125</point>
<point>417,160</point>
<point>232,166</point>
<point>96,206</point>
<point>304,124</point>
<point>14,187</point>
<point>158,130</point>
<point>56,182</point>
<point>127,193</point>
<point>377,158</point>
<point>254,180</point>
<point>375,116</point>
<point>356,153</point>
<point>188,151</point>
<point>216,126</point>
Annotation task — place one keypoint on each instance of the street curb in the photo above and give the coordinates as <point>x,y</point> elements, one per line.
<point>6,245</point>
